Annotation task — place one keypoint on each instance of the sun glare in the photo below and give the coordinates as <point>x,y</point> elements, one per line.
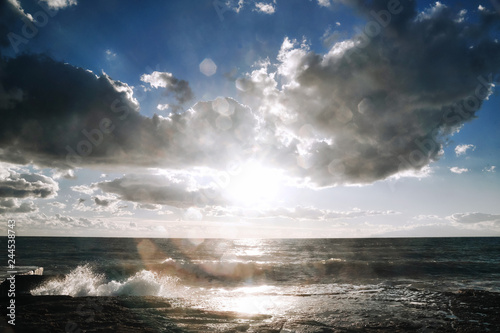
<point>254,185</point>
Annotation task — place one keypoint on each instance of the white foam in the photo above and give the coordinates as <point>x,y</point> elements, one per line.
<point>83,281</point>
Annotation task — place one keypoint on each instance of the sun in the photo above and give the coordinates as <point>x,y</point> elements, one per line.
<point>254,185</point>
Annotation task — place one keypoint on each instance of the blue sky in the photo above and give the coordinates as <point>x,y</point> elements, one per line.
<point>250,118</point>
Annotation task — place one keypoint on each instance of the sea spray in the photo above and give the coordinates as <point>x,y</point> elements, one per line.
<point>83,281</point>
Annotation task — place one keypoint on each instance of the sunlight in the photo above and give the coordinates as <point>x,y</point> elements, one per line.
<point>254,185</point>
<point>249,247</point>
<point>253,305</point>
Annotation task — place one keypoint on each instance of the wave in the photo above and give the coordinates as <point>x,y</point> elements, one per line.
<point>83,281</point>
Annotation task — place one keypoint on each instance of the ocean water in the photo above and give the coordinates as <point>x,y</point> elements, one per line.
<point>346,281</point>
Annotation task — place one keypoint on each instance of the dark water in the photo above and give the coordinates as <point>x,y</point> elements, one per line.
<point>285,278</point>
<point>440,262</point>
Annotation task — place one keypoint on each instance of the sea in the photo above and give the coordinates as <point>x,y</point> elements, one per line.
<point>289,285</point>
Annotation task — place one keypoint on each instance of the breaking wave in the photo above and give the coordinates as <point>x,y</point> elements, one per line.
<point>83,281</point>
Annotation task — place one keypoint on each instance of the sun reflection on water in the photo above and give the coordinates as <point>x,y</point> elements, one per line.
<point>248,300</point>
<point>249,247</point>
<point>253,305</point>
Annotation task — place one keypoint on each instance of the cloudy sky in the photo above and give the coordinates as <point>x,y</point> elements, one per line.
<point>244,118</point>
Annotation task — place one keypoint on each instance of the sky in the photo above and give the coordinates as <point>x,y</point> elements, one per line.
<point>244,118</point>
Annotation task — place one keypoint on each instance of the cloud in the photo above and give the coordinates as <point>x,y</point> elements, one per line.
<point>57,204</point>
<point>14,6</point>
<point>162,107</point>
<point>424,217</point>
<point>459,170</point>
<point>83,189</point>
<point>147,206</point>
<point>13,206</point>
<point>13,19</point>
<point>296,213</point>
<point>462,149</point>
<point>374,106</point>
<point>110,55</point>
<point>59,221</point>
<point>180,89</point>
<point>62,107</point>
<point>324,3</point>
<point>24,185</point>
<point>173,189</point>
<point>107,204</point>
<point>223,5</point>
<point>377,104</point>
<point>66,174</point>
<point>490,169</point>
<point>101,202</point>
<point>266,8</point>
<point>472,218</point>
<point>433,10</point>
<point>69,117</point>
<point>63,218</point>
<point>60,4</point>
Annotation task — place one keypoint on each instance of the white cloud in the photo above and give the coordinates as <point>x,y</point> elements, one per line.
<point>64,222</point>
<point>490,169</point>
<point>110,55</point>
<point>60,4</point>
<point>461,16</point>
<point>66,174</point>
<point>462,149</point>
<point>19,10</point>
<point>422,173</point>
<point>432,11</point>
<point>162,107</point>
<point>324,3</point>
<point>266,8</point>
<point>234,5</point>
<point>158,79</point>
<point>85,189</point>
<point>459,170</point>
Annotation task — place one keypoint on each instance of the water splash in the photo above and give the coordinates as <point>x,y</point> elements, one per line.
<point>83,281</point>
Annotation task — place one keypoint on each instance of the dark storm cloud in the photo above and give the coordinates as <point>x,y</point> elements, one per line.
<point>381,102</point>
<point>60,116</point>
<point>373,106</point>
<point>61,106</point>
